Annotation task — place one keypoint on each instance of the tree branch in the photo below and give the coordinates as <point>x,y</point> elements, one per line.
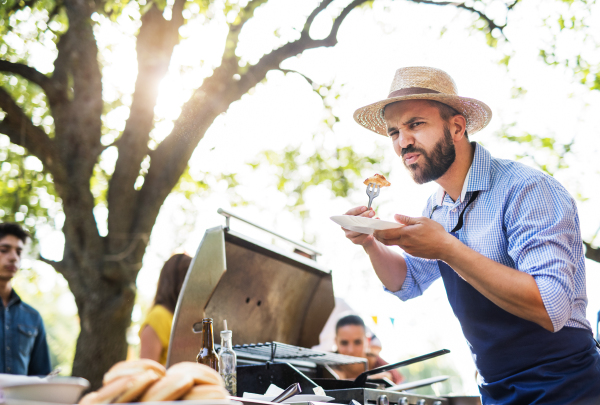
<point>155,43</point>
<point>21,131</point>
<point>58,266</point>
<point>31,74</point>
<point>513,5</point>
<point>211,99</point>
<point>308,79</point>
<point>309,20</point>
<point>491,24</point>
<point>271,61</point>
<point>231,42</point>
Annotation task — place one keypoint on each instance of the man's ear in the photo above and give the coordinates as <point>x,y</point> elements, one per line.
<point>458,125</point>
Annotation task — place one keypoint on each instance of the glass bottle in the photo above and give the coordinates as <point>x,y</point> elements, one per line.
<point>227,362</point>
<point>207,355</point>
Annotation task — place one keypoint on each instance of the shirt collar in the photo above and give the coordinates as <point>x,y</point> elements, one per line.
<point>478,176</point>
<point>12,300</point>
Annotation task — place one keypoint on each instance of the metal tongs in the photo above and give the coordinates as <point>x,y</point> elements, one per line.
<point>372,193</point>
<point>289,392</point>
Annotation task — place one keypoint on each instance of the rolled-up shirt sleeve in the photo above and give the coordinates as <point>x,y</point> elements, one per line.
<point>543,240</point>
<point>420,274</point>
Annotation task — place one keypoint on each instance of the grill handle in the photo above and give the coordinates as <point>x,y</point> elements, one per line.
<point>309,249</point>
<point>362,378</point>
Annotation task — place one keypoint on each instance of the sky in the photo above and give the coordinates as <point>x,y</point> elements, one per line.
<point>284,111</point>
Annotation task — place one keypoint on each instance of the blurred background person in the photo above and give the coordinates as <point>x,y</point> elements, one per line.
<point>351,339</point>
<point>374,346</point>
<point>155,331</point>
<point>22,335</point>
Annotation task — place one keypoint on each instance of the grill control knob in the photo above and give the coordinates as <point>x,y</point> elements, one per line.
<point>403,401</point>
<point>421,402</point>
<point>383,400</point>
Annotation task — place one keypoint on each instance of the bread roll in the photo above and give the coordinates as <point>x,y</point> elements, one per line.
<point>199,372</point>
<point>89,399</point>
<point>168,388</point>
<point>137,386</point>
<point>206,392</point>
<point>108,393</point>
<point>133,367</point>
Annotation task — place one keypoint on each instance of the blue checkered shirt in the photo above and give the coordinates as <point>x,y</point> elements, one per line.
<point>523,219</point>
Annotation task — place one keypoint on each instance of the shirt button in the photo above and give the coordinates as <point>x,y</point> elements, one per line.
<point>7,347</point>
<point>7,328</point>
<point>454,210</point>
<point>7,368</point>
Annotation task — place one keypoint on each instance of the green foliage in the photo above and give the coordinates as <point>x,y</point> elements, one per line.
<point>576,21</point>
<point>531,145</point>
<point>31,99</point>
<point>27,195</point>
<point>198,185</point>
<point>340,170</point>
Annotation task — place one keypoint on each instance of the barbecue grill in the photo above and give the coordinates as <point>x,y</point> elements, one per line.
<point>277,303</point>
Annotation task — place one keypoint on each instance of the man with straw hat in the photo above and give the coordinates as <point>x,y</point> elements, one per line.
<point>504,237</point>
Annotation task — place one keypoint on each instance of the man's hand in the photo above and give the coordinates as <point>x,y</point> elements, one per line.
<point>421,237</point>
<point>512,290</point>
<point>357,238</point>
<point>389,265</point>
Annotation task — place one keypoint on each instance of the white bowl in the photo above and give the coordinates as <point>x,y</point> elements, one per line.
<point>59,390</point>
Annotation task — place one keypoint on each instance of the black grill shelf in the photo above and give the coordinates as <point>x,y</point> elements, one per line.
<point>275,351</point>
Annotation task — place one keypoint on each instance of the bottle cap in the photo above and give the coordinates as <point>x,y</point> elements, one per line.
<point>226,334</point>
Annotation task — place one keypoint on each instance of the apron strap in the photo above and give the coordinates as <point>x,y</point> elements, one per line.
<point>459,224</point>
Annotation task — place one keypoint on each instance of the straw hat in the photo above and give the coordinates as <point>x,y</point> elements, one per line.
<point>424,83</point>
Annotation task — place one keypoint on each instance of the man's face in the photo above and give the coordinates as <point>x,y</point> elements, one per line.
<point>351,340</point>
<point>11,248</point>
<point>421,138</point>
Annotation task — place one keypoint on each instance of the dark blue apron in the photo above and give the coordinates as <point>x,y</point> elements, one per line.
<point>519,361</point>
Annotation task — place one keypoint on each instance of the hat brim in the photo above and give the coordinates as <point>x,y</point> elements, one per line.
<point>476,112</point>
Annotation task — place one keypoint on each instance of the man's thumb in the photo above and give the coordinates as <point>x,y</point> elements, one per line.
<point>404,219</point>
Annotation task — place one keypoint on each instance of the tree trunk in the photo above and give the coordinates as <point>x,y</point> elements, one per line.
<point>105,315</point>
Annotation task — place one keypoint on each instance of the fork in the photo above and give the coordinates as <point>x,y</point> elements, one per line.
<point>372,193</point>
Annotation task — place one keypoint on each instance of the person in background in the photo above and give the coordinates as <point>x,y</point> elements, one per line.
<point>351,340</point>
<point>22,335</point>
<point>375,345</point>
<point>155,331</point>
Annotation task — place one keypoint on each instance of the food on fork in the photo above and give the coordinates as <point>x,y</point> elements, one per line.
<point>378,180</point>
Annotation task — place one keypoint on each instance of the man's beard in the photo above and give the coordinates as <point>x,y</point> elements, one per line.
<point>436,163</point>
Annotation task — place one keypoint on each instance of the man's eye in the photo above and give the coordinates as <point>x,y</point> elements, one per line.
<point>393,135</point>
<point>415,124</point>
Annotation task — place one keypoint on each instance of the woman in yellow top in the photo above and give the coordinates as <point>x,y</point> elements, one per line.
<point>155,332</point>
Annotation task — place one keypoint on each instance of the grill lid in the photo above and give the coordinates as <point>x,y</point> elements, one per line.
<point>266,294</point>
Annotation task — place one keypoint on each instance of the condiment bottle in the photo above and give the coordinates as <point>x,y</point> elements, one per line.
<point>228,361</point>
<point>207,355</point>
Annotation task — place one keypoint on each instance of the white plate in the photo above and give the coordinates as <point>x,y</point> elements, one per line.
<point>192,402</point>
<point>291,400</point>
<point>363,224</point>
<point>61,390</point>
